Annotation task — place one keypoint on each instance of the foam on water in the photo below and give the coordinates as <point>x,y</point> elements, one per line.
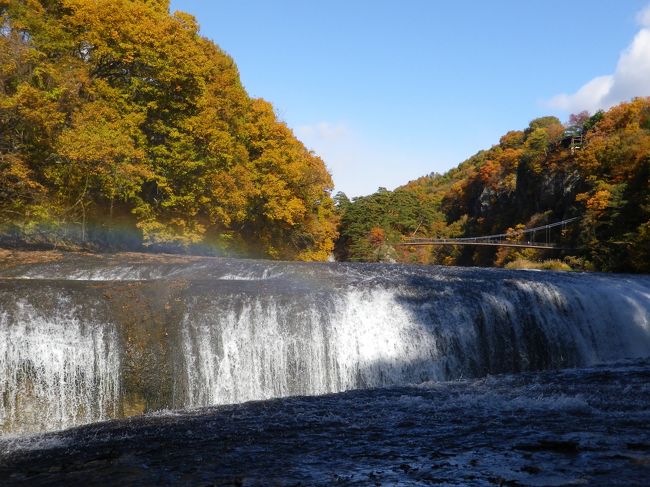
<point>231,331</point>
<point>56,370</point>
<point>240,347</point>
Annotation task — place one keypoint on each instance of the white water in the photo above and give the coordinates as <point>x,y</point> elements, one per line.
<point>258,348</point>
<point>242,347</point>
<point>251,332</point>
<point>115,273</point>
<point>56,370</point>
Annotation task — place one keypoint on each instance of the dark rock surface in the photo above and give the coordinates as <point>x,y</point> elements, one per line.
<point>572,427</point>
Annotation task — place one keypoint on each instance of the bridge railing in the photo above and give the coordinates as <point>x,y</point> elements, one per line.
<point>496,239</point>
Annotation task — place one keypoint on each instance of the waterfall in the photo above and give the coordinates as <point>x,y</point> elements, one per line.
<point>241,346</point>
<point>84,343</point>
<point>56,370</point>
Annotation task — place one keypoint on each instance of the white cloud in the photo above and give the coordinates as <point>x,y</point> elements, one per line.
<point>643,17</point>
<point>630,79</point>
<point>323,131</point>
<point>589,97</point>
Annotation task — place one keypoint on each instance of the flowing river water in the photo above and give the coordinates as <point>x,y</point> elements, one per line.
<point>462,376</point>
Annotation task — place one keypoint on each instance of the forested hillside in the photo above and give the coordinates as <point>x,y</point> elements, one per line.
<point>121,127</point>
<point>530,178</point>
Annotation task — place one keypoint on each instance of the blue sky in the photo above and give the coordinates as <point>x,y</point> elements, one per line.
<point>387,91</point>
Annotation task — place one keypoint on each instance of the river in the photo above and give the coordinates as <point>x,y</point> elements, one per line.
<point>88,338</point>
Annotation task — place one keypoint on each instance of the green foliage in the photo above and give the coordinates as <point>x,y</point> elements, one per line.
<point>542,123</point>
<point>118,113</point>
<point>395,213</point>
<point>547,265</point>
<point>593,121</point>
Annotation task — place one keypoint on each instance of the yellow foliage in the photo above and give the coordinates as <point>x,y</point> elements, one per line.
<point>117,107</point>
<point>599,201</point>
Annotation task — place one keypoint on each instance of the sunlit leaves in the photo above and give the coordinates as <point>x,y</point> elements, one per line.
<point>530,178</point>
<point>117,109</point>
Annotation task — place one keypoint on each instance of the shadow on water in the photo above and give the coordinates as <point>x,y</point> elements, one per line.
<point>487,321</point>
<point>223,331</point>
<point>567,428</point>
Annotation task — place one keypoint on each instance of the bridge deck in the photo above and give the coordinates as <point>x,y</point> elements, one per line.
<point>524,239</point>
<point>531,245</point>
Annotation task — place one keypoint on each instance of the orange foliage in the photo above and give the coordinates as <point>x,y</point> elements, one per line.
<point>119,106</point>
<point>376,236</point>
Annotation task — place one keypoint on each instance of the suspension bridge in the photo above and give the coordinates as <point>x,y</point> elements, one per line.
<point>530,238</point>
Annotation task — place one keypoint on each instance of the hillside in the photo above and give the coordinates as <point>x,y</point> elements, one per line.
<point>530,178</point>
<point>121,127</point>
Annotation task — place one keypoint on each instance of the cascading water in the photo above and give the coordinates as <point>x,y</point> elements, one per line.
<point>217,331</point>
<point>241,346</point>
<point>56,369</point>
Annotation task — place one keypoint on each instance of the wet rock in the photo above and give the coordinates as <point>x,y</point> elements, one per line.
<point>557,446</point>
<point>638,446</point>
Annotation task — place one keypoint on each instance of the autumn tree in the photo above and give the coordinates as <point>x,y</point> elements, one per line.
<point>530,178</point>
<point>120,111</point>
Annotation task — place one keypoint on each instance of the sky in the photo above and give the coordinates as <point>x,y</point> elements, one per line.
<point>388,91</point>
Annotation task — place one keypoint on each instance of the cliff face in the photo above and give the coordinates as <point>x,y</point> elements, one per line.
<point>540,175</point>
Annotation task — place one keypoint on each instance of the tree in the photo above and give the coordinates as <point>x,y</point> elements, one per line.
<point>119,109</point>
<point>528,177</point>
